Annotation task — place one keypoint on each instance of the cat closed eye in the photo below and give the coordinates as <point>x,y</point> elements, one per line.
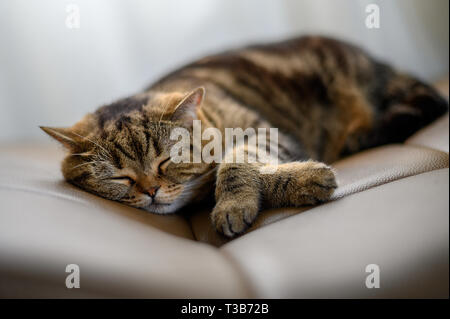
<point>163,164</point>
<point>124,180</point>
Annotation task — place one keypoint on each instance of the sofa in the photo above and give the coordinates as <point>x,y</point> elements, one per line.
<point>391,210</point>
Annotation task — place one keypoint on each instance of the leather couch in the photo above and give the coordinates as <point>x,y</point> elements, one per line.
<point>391,209</point>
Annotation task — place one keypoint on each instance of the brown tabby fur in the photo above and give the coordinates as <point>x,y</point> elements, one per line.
<point>327,98</point>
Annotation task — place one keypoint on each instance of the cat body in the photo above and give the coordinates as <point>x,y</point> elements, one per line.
<point>327,99</point>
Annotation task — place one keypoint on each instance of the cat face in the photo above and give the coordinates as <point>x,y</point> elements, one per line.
<point>122,152</point>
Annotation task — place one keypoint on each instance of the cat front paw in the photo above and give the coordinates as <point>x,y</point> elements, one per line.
<point>316,183</point>
<point>323,183</point>
<point>231,217</point>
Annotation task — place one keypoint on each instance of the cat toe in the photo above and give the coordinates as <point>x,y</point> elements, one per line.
<point>231,219</point>
<point>315,184</point>
<point>322,184</point>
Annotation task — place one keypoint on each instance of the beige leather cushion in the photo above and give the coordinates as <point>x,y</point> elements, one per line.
<point>322,253</point>
<point>402,226</point>
<point>433,136</point>
<point>36,169</point>
<point>118,257</point>
<point>354,174</point>
<point>46,224</point>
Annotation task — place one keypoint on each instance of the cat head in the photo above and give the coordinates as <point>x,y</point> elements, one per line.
<point>122,151</point>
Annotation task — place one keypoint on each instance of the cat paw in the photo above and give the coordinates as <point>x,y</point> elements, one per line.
<point>316,183</point>
<point>232,218</point>
<point>321,183</point>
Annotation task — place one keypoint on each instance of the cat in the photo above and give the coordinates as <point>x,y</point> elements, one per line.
<point>327,98</point>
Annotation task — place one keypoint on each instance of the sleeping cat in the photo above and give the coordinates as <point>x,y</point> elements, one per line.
<point>327,98</point>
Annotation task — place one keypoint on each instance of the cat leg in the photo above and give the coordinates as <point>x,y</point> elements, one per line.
<point>298,183</point>
<point>238,191</point>
<point>238,198</point>
<point>243,188</point>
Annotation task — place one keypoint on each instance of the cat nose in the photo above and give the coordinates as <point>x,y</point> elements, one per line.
<point>152,191</point>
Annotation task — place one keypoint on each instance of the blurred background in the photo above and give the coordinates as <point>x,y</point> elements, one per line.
<point>54,69</point>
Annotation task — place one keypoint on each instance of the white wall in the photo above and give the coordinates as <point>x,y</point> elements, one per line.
<point>52,75</point>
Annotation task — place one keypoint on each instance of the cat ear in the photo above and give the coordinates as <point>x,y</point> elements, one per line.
<point>63,135</point>
<point>186,110</point>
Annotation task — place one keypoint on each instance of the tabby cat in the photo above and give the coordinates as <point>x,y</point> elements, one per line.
<point>327,98</point>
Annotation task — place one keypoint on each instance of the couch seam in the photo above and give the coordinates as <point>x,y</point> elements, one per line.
<point>405,176</point>
<point>416,145</point>
<point>240,271</point>
<point>42,193</point>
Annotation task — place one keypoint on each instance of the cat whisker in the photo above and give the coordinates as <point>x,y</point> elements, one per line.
<point>81,154</point>
<point>162,115</point>
<point>101,147</point>
<point>82,164</point>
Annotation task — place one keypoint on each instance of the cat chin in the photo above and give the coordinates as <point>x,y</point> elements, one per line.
<point>162,209</point>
